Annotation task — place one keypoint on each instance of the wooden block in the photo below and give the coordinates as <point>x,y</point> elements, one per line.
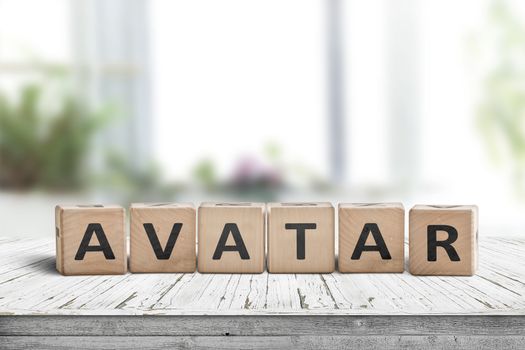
<point>443,240</point>
<point>371,237</point>
<point>162,237</point>
<point>90,240</point>
<point>231,237</point>
<point>301,238</point>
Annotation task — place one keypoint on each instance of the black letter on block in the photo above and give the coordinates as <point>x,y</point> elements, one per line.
<point>239,243</point>
<point>380,243</point>
<point>301,228</point>
<point>162,254</point>
<point>433,243</point>
<point>102,240</point>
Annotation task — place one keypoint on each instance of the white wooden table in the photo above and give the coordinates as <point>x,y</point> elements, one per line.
<point>40,308</point>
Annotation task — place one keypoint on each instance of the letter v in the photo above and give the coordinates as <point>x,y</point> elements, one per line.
<point>162,254</point>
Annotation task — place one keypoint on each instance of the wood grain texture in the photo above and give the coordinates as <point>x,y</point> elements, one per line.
<point>389,218</point>
<point>30,285</point>
<point>72,224</point>
<point>163,217</point>
<point>318,244</point>
<point>463,219</point>
<point>249,219</point>
<point>262,325</point>
<point>264,331</point>
<point>380,342</point>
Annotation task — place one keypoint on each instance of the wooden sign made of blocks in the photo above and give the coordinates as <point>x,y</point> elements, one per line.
<point>162,237</point>
<point>90,240</point>
<point>443,240</point>
<point>231,237</point>
<point>371,237</point>
<point>301,238</point>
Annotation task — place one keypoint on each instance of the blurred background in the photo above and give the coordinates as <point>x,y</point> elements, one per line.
<point>123,101</point>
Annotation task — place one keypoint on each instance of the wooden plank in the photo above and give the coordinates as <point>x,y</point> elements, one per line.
<point>268,342</point>
<point>251,293</point>
<point>260,325</point>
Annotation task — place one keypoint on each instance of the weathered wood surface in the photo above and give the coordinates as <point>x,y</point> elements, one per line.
<point>380,342</point>
<point>262,325</point>
<point>41,309</point>
<point>29,285</point>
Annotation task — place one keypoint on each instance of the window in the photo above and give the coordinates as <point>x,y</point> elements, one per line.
<point>27,37</point>
<point>232,76</point>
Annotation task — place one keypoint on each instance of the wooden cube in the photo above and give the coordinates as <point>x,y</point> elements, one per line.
<point>371,237</point>
<point>90,240</point>
<point>443,240</point>
<point>231,237</point>
<point>162,237</point>
<point>301,238</point>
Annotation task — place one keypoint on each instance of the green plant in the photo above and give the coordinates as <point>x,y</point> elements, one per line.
<point>501,114</point>
<point>45,148</point>
<point>129,184</point>
<point>205,175</point>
